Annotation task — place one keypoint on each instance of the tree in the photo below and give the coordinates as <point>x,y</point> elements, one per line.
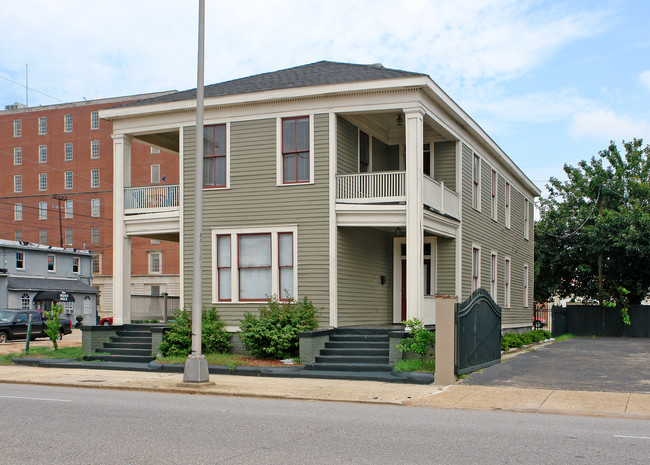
<point>593,236</point>
<point>53,324</point>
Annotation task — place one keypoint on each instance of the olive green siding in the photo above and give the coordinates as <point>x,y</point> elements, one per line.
<point>364,256</point>
<point>384,157</point>
<point>446,273</point>
<point>492,236</point>
<point>347,157</point>
<point>444,163</point>
<point>254,200</point>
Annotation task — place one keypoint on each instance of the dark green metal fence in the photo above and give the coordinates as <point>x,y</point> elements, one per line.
<point>478,333</point>
<point>594,320</point>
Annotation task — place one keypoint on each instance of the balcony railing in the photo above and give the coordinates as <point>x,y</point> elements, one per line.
<point>151,199</point>
<point>436,196</point>
<point>371,187</point>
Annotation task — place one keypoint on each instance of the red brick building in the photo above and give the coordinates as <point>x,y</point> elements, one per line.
<point>56,188</point>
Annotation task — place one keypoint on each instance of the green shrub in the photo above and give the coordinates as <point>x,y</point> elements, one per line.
<point>53,324</point>
<point>509,340</point>
<point>178,338</point>
<point>274,333</point>
<point>419,340</point>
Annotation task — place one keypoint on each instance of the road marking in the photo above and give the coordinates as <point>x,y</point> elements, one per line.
<point>631,437</point>
<point>35,398</point>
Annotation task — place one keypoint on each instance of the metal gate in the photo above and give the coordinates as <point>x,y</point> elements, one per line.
<point>478,333</point>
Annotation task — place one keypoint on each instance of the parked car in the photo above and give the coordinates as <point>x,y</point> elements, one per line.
<point>108,321</point>
<point>13,325</point>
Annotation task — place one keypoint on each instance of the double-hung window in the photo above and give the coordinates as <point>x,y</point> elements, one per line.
<point>94,207</point>
<point>67,123</point>
<point>476,268</point>
<point>364,152</point>
<point>18,183</point>
<point>18,128</point>
<point>252,265</point>
<point>525,285</point>
<point>18,156</point>
<point>493,275</point>
<point>94,178</point>
<point>506,283</point>
<point>155,262</point>
<point>51,263</point>
<point>68,179</point>
<point>493,192</point>
<point>20,260</point>
<point>75,265</point>
<point>94,120</point>
<point>215,159</point>
<point>69,206</point>
<point>42,153</point>
<point>42,125</point>
<point>68,151</point>
<point>42,210</point>
<point>18,211</point>
<point>507,205</point>
<point>42,182</point>
<point>296,159</point>
<point>94,149</point>
<point>526,219</point>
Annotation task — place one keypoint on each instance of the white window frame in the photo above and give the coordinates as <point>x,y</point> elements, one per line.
<point>476,268</point>
<point>42,182</point>
<point>150,257</point>
<point>476,181</point>
<point>42,125</point>
<point>18,128</point>
<point>95,208</point>
<point>18,183</point>
<point>88,305</point>
<point>526,219</point>
<point>234,265</point>
<point>96,259</point>
<point>47,263</point>
<point>94,120</point>
<point>69,209</point>
<point>154,150</point>
<point>526,282</point>
<point>279,162</point>
<point>18,156</point>
<point>94,176</point>
<point>20,259</point>
<point>68,151</point>
<point>494,274</point>
<point>68,180</point>
<point>42,210</point>
<point>494,188</point>
<point>67,123</point>
<point>508,204</point>
<point>155,174</point>
<point>25,301</point>
<point>227,186</point>
<point>507,281</point>
<point>94,149</point>
<point>76,262</point>
<point>42,153</point>
<point>18,212</point>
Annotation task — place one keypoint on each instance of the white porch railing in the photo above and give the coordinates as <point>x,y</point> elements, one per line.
<point>150,199</point>
<point>435,195</point>
<point>386,186</point>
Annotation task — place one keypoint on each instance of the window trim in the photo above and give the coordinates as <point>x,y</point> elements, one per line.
<point>226,156</point>
<point>20,257</point>
<point>476,181</point>
<point>42,125</point>
<point>526,285</point>
<point>18,128</point>
<point>68,176</point>
<point>92,207</point>
<point>279,168</point>
<point>155,180</point>
<point>94,149</point>
<point>475,283</point>
<point>18,212</point>
<point>234,233</point>
<point>68,209</point>
<point>18,156</point>
<point>94,118</point>
<point>67,118</point>
<point>25,298</point>
<point>96,258</point>
<point>53,257</point>
<point>507,201</point>
<point>494,274</point>
<point>65,151</point>
<point>526,219</point>
<point>42,212</point>
<point>42,153</point>
<point>76,262</point>
<point>18,183</point>
<point>150,255</point>
<point>494,193</point>
<point>42,182</point>
<point>92,181</point>
<point>368,166</point>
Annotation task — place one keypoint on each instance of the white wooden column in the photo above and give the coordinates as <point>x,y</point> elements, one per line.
<point>333,229</point>
<point>414,212</point>
<point>121,242</point>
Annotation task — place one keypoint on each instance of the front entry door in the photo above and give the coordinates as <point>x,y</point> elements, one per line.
<point>427,282</point>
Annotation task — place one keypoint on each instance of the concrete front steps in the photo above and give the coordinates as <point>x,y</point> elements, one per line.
<point>354,350</point>
<point>132,345</point>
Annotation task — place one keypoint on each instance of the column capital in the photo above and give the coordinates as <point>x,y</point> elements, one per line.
<point>413,112</point>
<point>127,138</point>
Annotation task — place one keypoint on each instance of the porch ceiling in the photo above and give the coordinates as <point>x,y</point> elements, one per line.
<point>163,140</point>
<point>384,126</point>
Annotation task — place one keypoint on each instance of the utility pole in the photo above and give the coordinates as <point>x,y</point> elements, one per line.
<point>60,197</point>
<point>196,366</point>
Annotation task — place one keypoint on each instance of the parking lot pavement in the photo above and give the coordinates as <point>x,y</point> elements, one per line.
<point>17,345</point>
<point>582,363</point>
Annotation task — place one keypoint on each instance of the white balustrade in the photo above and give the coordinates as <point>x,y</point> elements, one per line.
<point>371,187</point>
<point>151,198</point>
<point>436,196</point>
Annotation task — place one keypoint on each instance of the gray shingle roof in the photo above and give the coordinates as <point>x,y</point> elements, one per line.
<point>50,284</point>
<point>314,74</point>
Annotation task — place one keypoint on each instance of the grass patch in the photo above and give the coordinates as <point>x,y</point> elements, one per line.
<point>564,337</point>
<point>425,366</point>
<point>45,352</point>
<point>230,360</point>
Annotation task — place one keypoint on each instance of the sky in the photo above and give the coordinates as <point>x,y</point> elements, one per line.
<point>552,82</point>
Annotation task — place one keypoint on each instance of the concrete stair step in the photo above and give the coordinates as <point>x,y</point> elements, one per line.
<point>355,345</point>
<point>127,345</point>
<point>355,367</point>
<point>359,338</point>
<point>120,358</point>
<point>130,351</point>
<point>352,359</point>
<point>352,352</point>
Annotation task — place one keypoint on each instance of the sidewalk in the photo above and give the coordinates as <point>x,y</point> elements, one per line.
<point>458,396</point>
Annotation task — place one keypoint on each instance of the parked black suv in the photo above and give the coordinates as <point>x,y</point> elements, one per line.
<point>13,325</point>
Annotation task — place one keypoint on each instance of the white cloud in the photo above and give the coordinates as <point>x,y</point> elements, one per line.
<point>608,125</point>
<point>645,78</point>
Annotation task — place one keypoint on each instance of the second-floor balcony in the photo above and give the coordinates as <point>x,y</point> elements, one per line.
<point>390,187</point>
<point>151,199</point>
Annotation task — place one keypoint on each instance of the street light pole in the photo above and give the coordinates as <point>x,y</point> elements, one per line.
<point>196,366</point>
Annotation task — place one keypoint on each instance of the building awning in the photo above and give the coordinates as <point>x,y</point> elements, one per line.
<point>53,296</point>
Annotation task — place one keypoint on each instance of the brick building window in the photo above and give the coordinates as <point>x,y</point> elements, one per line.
<point>155,262</point>
<point>94,235</point>
<point>69,208</point>
<point>94,149</point>
<point>42,125</point>
<point>94,207</point>
<point>42,182</point>
<point>18,212</point>
<point>97,264</point>
<point>67,147</point>
<point>67,123</point>
<point>42,236</point>
<point>68,236</point>
<point>68,179</point>
<point>42,210</point>
<point>18,183</point>
<point>42,153</point>
<point>18,128</point>
<point>94,178</point>
<point>94,120</point>
<point>18,156</point>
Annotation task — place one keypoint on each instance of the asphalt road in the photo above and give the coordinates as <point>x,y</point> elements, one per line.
<point>45,424</point>
<point>582,363</point>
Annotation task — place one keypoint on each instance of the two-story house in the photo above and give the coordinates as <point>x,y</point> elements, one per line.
<point>35,276</point>
<point>367,189</point>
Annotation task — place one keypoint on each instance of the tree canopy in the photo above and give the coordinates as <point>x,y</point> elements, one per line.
<point>593,236</point>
